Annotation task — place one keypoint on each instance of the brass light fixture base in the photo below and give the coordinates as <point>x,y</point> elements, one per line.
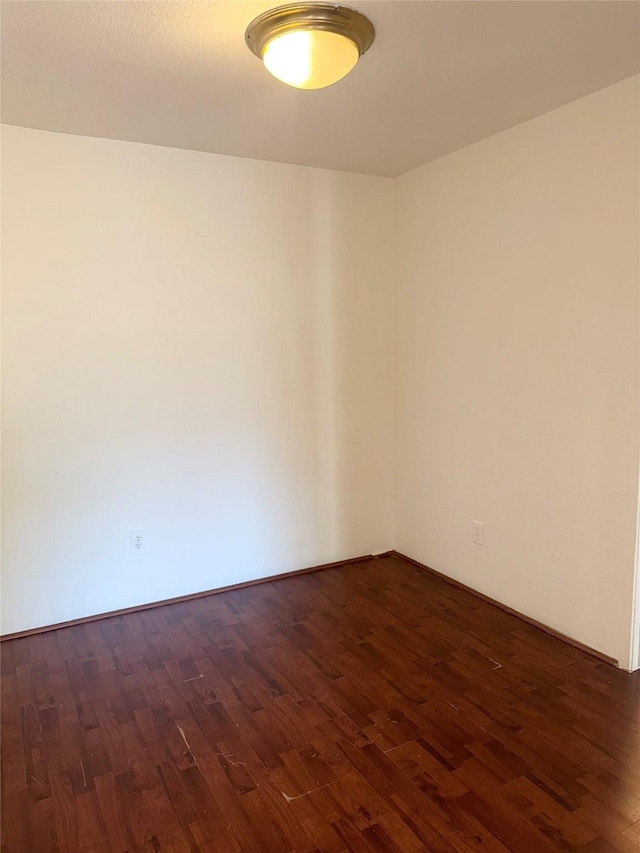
<point>295,17</point>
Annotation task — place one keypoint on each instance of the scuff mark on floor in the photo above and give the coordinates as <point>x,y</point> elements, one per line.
<point>229,758</point>
<point>186,743</point>
<point>312,791</point>
<point>183,736</point>
<point>397,746</point>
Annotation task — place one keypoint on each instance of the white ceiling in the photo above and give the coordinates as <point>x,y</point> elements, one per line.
<point>439,76</point>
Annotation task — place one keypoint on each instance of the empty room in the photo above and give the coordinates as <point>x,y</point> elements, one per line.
<point>320,426</point>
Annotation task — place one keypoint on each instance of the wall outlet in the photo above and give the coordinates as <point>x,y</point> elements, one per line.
<point>477,532</point>
<point>137,542</point>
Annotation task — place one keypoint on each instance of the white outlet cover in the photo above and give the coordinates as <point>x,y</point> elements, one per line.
<point>137,542</point>
<point>477,532</point>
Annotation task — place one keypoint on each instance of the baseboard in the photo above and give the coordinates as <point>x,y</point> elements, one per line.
<point>559,636</point>
<point>296,573</point>
<point>30,632</point>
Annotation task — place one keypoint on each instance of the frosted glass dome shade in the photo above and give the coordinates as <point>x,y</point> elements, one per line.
<point>310,59</point>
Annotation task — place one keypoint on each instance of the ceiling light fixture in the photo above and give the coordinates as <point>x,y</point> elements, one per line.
<point>310,45</point>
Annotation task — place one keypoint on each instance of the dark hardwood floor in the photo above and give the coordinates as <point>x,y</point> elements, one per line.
<point>366,708</point>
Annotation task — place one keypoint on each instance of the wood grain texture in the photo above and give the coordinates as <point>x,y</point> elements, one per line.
<point>372,707</point>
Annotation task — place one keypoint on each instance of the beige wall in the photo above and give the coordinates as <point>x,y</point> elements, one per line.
<point>202,346</point>
<point>517,366</point>
<point>193,344</point>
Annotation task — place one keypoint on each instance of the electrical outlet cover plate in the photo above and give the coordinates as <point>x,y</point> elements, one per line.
<point>477,532</point>
<point>137,542</point>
